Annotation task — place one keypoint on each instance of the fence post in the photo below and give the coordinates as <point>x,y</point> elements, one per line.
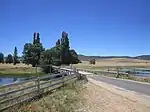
<point>117,73</point>
<point>38,85</point>
<point>50,69</point>
<point>134,71</point>
<point>38,82</point>
<point>63,80</point>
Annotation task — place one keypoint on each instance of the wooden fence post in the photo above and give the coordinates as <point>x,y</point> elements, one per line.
<point>38,82</point>
<point>38,86</point>
<point>134,71</point>
<point>117,73</point>
<point>50,69</point>
<point>63,80</point>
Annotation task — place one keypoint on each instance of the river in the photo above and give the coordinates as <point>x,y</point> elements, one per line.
<point>9,80</point>
<point>137,72</point>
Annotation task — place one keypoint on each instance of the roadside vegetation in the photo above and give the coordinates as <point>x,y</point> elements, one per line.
<point>66,99</point>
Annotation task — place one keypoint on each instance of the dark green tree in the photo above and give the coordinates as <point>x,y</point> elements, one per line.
<point>27,53</point>
<point>1,58</point>
<point>46,59</point>
<point>15,57</point>
<point>34,38</point>
<point>74,57</point>
<point>9,59</point>
<point>31,52</point>
<point>64,51</point>
<point>38,39</point>
<point>56,53</point>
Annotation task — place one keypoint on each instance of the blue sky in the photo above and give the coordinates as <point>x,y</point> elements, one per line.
<point>95,27</point>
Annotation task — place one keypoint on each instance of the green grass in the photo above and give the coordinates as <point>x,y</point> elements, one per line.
<point>65,99</point>
<point>18,71</point>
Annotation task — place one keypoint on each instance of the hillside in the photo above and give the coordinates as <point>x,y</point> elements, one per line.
<point>85,58</point>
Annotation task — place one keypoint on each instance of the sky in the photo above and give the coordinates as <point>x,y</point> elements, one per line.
<point>94,27</point>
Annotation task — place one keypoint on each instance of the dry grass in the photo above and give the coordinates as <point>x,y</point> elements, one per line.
<point>114,62</point>
<point>15,70</point>
<point>14,66</point>
<point>65,99</point>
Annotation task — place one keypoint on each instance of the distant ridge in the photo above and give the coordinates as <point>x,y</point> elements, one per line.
<point>86,58</point>
<point>144,57</point>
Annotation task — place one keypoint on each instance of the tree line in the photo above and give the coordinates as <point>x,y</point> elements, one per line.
<point>10,58</point>
<point>35,54</point>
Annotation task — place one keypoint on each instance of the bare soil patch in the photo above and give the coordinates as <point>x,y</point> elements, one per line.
<point>99,99</point>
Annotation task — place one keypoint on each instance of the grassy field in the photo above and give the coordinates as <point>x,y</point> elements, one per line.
<point>17,70</point>
<point>113,63</point>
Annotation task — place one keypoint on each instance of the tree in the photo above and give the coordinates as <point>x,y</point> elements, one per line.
<point>1,58</point>
<point>34,53</point>
<point>9,59</point>
<point>31,52</point>
<point>64,51</point>
<point>74,57</point>
<point>46,59</point>
<point>27,53</point>
<point>15,57</point>
<point>34,38</point>
<point>56,53</point>
<point>38,39</point>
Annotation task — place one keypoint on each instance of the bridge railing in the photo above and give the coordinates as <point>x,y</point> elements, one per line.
<point>117,72</point>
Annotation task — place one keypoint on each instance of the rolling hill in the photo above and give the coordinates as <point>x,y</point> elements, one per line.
<point>86,58</point>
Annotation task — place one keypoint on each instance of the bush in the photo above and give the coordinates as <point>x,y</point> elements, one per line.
<point>9,59</point>
<point>92,61</point>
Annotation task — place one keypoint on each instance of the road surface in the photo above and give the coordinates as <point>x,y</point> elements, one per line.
<point>129,85</point>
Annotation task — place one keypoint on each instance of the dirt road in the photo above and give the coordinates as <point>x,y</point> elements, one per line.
<point>104,98</point>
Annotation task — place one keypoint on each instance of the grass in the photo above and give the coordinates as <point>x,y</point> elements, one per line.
<point>65,99</point>
<point>18,70</point>
<point>113,63</point>
<point>15,74</point>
